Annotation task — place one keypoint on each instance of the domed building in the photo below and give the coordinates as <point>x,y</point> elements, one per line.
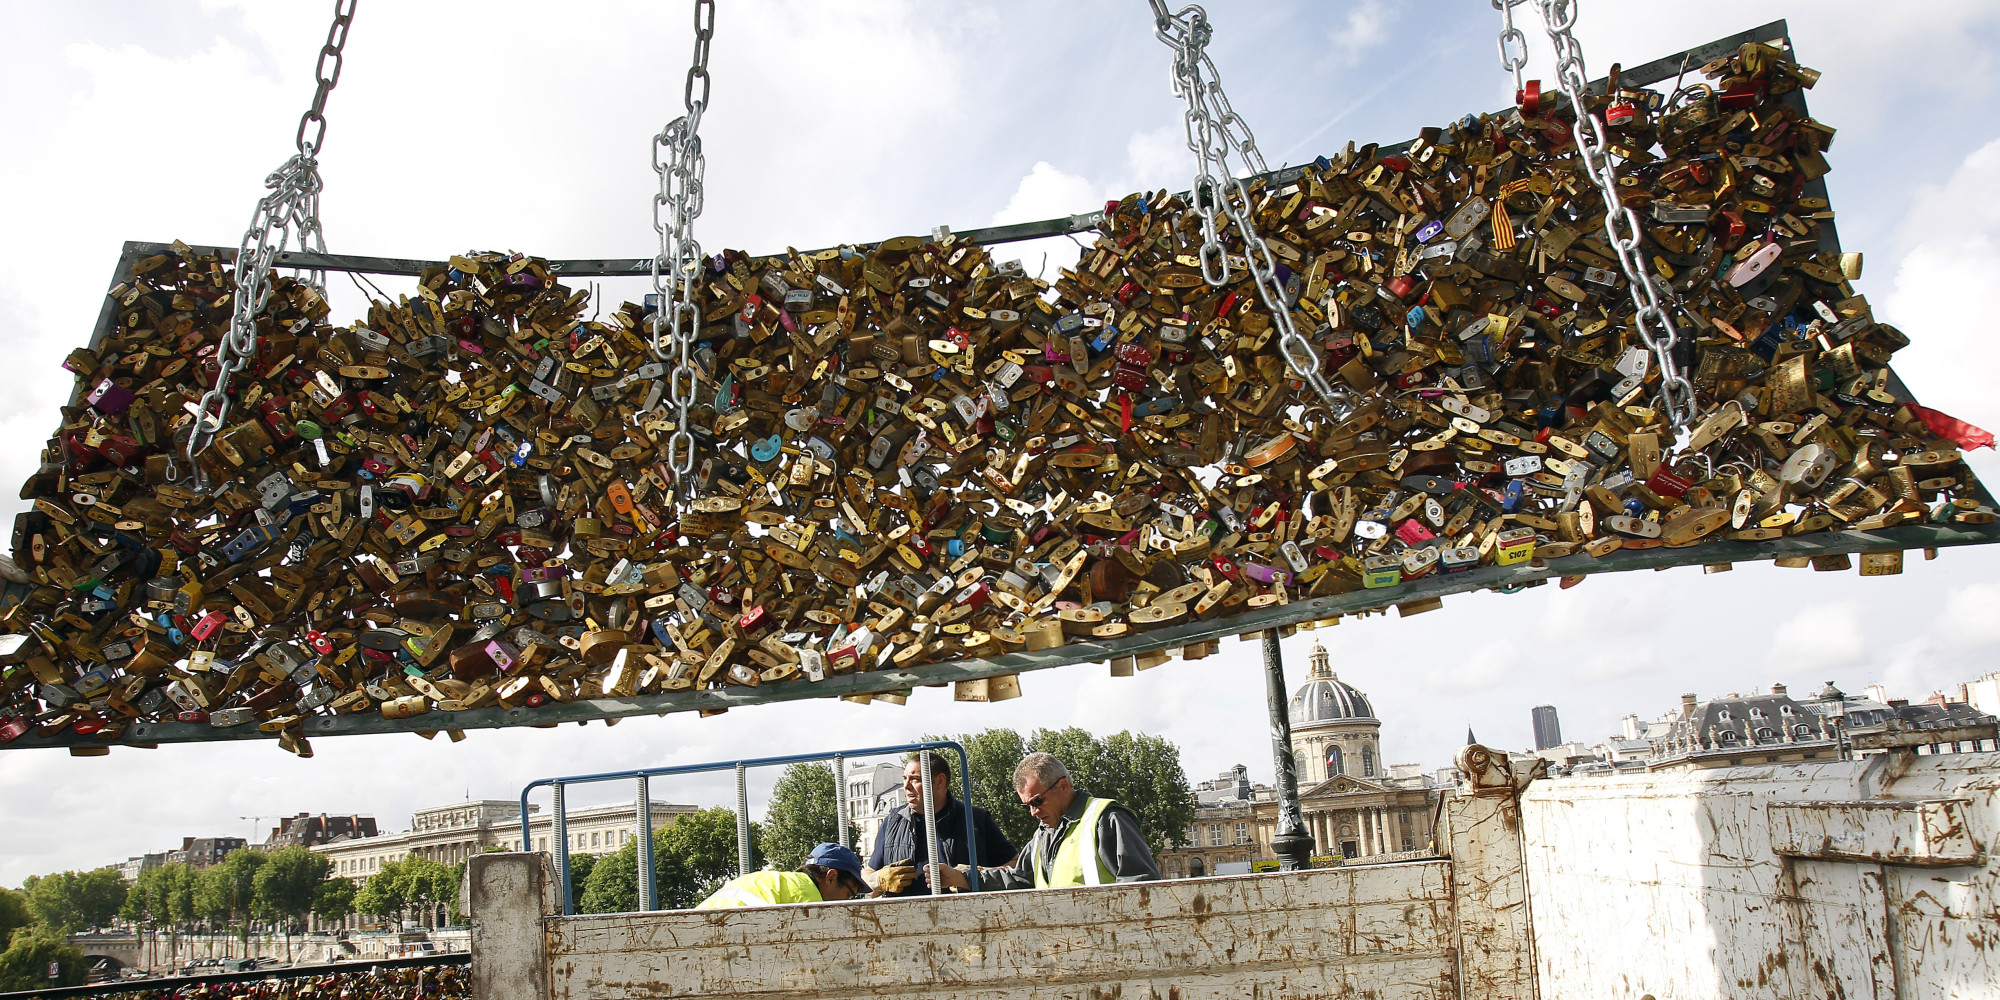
<point>1356,805</point>
<point>1334,728</point>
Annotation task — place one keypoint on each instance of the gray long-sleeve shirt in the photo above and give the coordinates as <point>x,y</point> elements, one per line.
<point>1120,846</point>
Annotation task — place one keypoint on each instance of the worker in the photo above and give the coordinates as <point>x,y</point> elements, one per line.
<point>1083,839</point>
<point>894,868</point>
<point>831,873</point>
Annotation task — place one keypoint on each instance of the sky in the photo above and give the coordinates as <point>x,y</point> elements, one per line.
<point>525,126</point>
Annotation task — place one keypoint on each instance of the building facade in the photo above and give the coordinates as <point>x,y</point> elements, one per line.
<point>1355,806</point>
<point>451,833</point>
<point>1548,729</point>
<point>201,852</point>
<point>872,791</point>
<point>308,830</point>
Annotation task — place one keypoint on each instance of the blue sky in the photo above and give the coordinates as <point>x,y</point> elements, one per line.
<point>524,126</point>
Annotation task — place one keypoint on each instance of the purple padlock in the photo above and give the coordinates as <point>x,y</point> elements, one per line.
<point>544,574</point>
<point>503,654</point>
<point>110,398</point>
<point>1266,575</point>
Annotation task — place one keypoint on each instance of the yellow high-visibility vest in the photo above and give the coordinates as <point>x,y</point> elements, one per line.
<point>1079,843</point>
<point>764,889</point>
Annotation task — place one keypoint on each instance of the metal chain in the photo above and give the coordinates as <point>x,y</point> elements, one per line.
<point>677,320</point>
<point>1621,224</point>
<point>1215,133</point>
<point>1511,62</point>
<point>292,208</point>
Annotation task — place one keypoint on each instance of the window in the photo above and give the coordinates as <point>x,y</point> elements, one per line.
<point>1367,762</point>
<point>1765,733</point>
<point>1784,710</point>
<point>541,843</point>
<point>1756,713</point>
<point>1723,715</point>
<point>1728,736</point>
<point>1215,835</point>
<point>1801,731</point>
<point>1242,833</point>
<point>1333,765</point>
<point>594,840</point>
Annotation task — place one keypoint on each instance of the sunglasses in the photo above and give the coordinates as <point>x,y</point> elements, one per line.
<point>1036,802</point>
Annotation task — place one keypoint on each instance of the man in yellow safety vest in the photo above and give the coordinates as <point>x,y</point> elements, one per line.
<point>1083,839</point>
<point>831,873</point>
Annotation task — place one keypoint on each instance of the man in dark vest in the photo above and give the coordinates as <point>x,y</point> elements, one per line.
<point>895,867</point>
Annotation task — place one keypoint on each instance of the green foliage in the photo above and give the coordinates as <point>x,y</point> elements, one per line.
<point>227,892</point>
<point>1152,785</point>
<point>580,867</point>
<point>801,814</point>
<point>334,898</point>
<point>14,914</point>
<point>286,884</point>
<point>383,893</point>
<point>692,857</point>
<point>696,853</point>
<point>993,754</point>
<point>409,884</point>
<point>613,885</point>
<point>25,963</point>
<point>1141,771</point>
<point>163,896</point>
<point>77,900</point>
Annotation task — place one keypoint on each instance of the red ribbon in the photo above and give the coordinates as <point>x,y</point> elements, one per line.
<point>1125,415</point>
<point>1945,425</point>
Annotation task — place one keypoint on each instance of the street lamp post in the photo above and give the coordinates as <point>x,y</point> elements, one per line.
<point>1292,845</point>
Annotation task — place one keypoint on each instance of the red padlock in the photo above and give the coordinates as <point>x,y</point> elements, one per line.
<point>1529,97</point>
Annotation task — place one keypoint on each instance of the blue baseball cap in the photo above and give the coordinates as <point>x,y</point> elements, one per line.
<point>835,857</point>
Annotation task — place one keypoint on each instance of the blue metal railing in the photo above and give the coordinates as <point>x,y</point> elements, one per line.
<point>558,820</point>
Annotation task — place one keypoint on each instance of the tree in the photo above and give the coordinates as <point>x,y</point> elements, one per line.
<point>227,893</point>
<point>613,885</point>
<point>1153,786</point>
<point>14,914</point>
<point>286,885</point>
<point>334,899</point>
<point>77,900</point>
<point>1142,772</point>
<point>427,884</point>
<point>692,857</point>
<point>993,754</point>
<point>580,867</point>
<point>696,853</point>
<point>801,814</point>
<point>25,963</point>
<point>383,894</point>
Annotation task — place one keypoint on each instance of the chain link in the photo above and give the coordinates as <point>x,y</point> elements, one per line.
<point>290,210</point>
<point>1215,134</point>
<point>1621,225</point>
<point>676,268</point>
<point>1512,62</point>
<point>336,42</point>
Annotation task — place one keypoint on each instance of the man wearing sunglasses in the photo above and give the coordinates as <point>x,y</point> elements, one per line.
<point>1083,840</point>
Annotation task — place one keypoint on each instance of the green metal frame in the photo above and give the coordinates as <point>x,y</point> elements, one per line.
<point>1905,537</point>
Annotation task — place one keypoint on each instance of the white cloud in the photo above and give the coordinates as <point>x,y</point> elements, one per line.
<point>1479,668</point>
<point>1048,193</point>
<point>1820,636</point>
<point>1365,27</point>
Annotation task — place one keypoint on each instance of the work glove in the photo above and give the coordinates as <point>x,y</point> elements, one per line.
<point>895,878</point>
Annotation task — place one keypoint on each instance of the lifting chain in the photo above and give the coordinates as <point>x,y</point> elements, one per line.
<point>1512,61</point>
<point>292,208</point>
<point>1621,224</point>
<point>1215,133</point>
<point>677,268</point>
